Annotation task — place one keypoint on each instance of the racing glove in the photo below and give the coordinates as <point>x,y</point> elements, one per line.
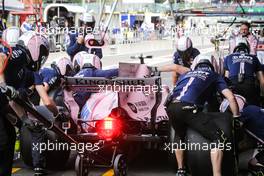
<point>10,92</point>
<point>28,123</point>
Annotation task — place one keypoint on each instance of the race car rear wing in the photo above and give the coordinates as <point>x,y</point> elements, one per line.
<point>99,84</point>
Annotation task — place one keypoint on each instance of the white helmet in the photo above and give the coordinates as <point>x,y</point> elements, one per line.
<point>37,48</point>
<point>63,66</point>
<point>85,60</point>
<point>87,19</point>
<point>183,44</point>
<point>241,101</point>
<point>204,59</point>
<point>11,35</point>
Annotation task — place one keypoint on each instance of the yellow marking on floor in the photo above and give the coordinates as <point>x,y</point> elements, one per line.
<point>109,173</point>
<point>14,170</point>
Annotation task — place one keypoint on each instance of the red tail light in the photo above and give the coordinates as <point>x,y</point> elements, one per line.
<point>109,128</point>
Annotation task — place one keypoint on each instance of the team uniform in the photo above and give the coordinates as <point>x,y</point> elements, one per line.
<point>75,47</point>
<point>8,138</point>
<point>189,96</point>
<point>179,61</point>
<point>49,76</point>
<point>21,78</point>
<point>242,73</point>
<point>253,119</point>
<point>82,97</point>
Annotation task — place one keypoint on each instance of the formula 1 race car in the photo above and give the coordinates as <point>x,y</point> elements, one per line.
<point>122,115</point>
<point>133,114</point>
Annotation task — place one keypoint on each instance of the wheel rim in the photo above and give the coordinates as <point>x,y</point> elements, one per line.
<point>120,166</point>
<point>78,167</point>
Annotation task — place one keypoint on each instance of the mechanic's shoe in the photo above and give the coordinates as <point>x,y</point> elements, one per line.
<point>257,170</point>
<point>39,171</point>
<point>181,172</point>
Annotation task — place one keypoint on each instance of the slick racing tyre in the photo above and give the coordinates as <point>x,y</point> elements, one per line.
<point>199,160</point>
<point>56,158</point>
<point>25,146</point>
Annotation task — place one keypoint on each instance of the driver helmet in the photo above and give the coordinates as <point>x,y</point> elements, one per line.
<point>241,101</point>
<point>36,47</point>
<point>11,35</point>
<point>204,60</point>
<point>63,67</point>
<point>241,45</point>
<point>84,60</point>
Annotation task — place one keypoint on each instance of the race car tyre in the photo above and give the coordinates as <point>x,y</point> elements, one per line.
<point>171,154</point>
<point>25,146</point>
<point>120,165</point>
<point>56,158</point>
<point>199,161</point>
<point>81,168</point>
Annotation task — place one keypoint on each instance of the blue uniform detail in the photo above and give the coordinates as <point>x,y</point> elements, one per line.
<point>82,97</point>
<point>48,75</point>
<point>232,63</point>
<point>198,86</point>
<point>253,119</point>
<point>74,47</point>
<point>179,61</point>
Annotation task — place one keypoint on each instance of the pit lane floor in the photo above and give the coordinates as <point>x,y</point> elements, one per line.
<point>152,163</point>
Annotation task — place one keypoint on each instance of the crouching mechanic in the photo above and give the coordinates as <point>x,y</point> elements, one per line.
<point>7,130</point>
<point>28,56</point>
<point>241,68</point>
<point>192,90</point>
<point>51,78</point>
<point>252,119</point>
<point>88,65</point>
